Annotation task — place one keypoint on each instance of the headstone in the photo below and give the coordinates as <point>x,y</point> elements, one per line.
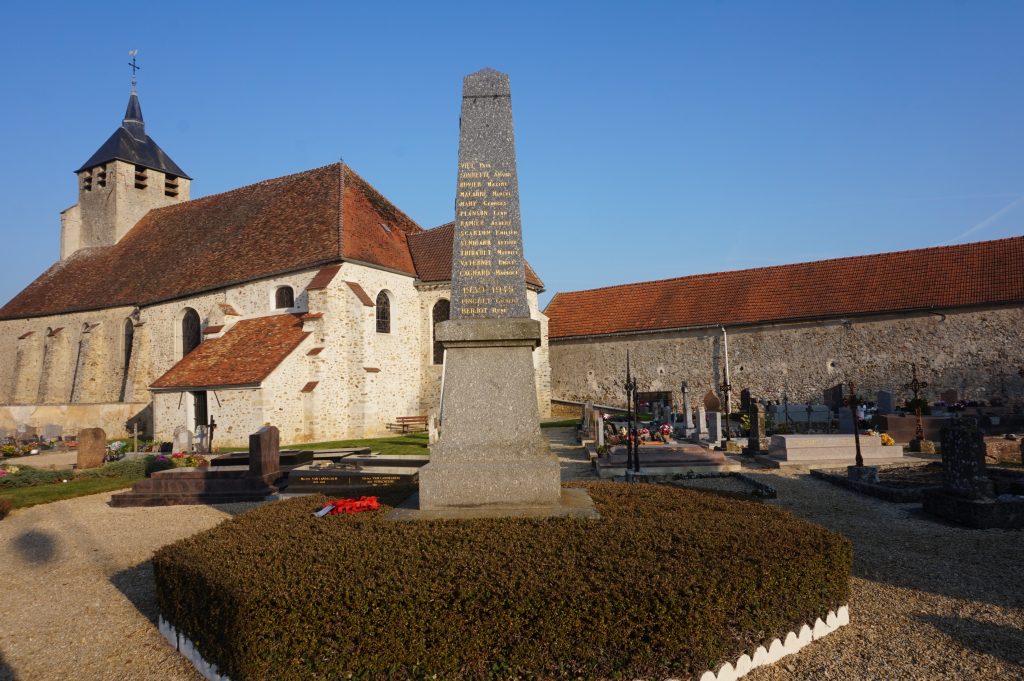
<point>599,419</point>
<point>885,402</point>
<point>949,396</point>
<point>689,417</point>
<point>758,439</point>
<point>833,397</point>
<point>92,446</point>
<point>745,400</point>
<point>585,420</point>
<point>711,401</point>
<point>714,427</point>
<point>264,453</point>
<point>52,431</point>
<point>846,422</point>
<point>182,439</point>
<point>490,337</point>
<point>698,425</point>
<point>963,460</point>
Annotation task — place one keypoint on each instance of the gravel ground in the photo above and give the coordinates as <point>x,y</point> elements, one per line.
<point>929,600</point>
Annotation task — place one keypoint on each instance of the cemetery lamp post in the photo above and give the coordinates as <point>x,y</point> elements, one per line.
<point>856,423</point>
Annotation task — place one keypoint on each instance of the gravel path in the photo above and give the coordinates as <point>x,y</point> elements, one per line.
<point>929,601</point>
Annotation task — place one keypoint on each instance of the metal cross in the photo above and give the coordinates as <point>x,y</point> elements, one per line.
<point>133,66</point>
<point>856,423</point>
<point>632,436</point>
<point>726,390</point>
<point>915,384</point>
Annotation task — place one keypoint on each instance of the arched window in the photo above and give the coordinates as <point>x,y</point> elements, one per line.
<point>285,297</point>
<point>442,312</point>
<point>129,339</point>
<point>383,313</point>
<point>191,334</point>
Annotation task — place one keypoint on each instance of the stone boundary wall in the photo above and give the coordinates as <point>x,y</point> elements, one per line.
<point>977,352</point>
<point>110,416</point>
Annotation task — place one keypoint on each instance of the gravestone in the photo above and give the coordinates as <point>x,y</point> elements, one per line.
<point>963,460</point>
<point>714,427</point>
<point>52,431</point>
<point>599,420</point>
<point>949,396</point>
<point>264,453</point>
<point>711,401</point>
<point>745,400</point>
<point>490,337</point>
<point>833,397</point>
<point>92,446</point>
<point>182,440</point>
<point>201,443</point>
<point>688,412</point>
<point>758,440</point>
<point>885,402</point>
<point>846,422</point>
<point>699,424</point>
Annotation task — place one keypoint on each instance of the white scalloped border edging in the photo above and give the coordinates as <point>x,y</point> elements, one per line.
<point>776,650</point>
<point>780,648</point>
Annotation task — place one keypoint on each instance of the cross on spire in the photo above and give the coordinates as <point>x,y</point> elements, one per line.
<point>134,67</point>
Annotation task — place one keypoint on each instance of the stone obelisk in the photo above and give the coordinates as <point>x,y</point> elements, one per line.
<point>490,451</point>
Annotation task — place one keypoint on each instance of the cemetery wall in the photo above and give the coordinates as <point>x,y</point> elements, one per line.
<point>976,351</point>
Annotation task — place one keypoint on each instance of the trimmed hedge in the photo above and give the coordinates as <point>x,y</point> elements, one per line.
<point>668,582</point>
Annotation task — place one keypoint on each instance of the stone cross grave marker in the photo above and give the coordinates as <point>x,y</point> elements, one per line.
<point>92,446</point>
<point>490,338</point>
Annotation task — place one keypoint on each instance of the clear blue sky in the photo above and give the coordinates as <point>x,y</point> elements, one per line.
<point>654,139</point>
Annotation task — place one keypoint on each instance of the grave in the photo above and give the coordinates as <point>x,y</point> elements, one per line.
<point>968,495</point>
<point>846,421</point>
<point>92,447</point>
<point>182,440</point>
<point>885,402</point>
<point>711,401</point>
<point>904,428</point>
<point>287,458</point>
<point>52,431</point>
<point>714,428</point>
<point>490,337</point>
<point>820,414</point>
<point>664,461</point>
<point>833,397</point>
<point>822,451</point>
<point>698,427</point>
<point>949,396</point>
<point>757,441</point>
<point>261,479</point>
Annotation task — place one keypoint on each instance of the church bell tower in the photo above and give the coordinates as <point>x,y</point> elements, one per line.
<point>127,177</point>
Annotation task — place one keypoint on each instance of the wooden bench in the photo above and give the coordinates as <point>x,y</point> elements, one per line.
<point>406,424</point>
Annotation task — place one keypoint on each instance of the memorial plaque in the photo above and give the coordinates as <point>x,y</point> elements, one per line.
<point>345,478</point>
<point>488,273</point>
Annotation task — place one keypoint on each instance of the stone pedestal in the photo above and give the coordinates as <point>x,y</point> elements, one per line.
<point>490,451</point>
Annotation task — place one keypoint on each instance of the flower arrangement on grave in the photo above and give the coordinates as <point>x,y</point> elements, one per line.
<point>869,431</point>
<point>745,423</point>
<point>665,432</point>
<point>887,440</point>
<point>645,434</point>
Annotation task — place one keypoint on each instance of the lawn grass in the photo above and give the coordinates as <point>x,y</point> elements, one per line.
<point>395,445</point>
<point>563,423</point>
<point>23,497</point>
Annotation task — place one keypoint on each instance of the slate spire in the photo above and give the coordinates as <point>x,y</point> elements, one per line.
<point>133,122</point>
<point>131,144</point>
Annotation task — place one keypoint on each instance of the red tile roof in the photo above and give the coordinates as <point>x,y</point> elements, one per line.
<point>210,330</point>
<point>323,278</point>
<point>360,293</point>
<point>985,273</point>
<point>245,355</point>
<point>432,252</point>
<point>281,225</point>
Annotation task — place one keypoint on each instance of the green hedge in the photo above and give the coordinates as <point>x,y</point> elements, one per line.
<point>668,582</point>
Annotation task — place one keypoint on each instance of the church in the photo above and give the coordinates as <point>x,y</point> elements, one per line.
<point>307,302</point>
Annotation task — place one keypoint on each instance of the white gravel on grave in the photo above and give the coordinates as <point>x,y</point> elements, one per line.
<point>929,600</point>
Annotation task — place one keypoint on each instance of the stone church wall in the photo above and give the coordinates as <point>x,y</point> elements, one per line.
<point>977,352</point>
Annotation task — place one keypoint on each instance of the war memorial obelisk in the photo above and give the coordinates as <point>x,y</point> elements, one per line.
<point>490,451</point>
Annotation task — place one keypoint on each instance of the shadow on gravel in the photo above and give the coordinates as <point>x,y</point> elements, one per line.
<point>136,583</point>
<point>36,547</point>
<point>1006,643</point>
<point>6,673</point>
<point>900,545</point>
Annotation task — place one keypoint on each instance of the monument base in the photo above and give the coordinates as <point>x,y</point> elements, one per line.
<point>491,451</point>
<point>574,502</point>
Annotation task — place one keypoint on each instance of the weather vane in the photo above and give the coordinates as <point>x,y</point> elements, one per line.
<point>134,67</point>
